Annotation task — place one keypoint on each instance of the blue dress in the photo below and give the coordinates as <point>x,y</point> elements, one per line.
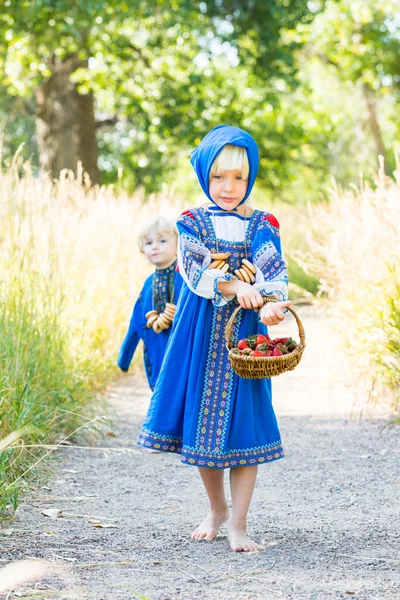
<point>200,408</point>
<point>164,285</point>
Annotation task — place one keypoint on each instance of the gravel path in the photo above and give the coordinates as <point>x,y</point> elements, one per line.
<point>328,513</point>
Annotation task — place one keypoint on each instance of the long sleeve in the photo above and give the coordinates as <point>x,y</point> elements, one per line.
<point>194,259</point>
<point>132,337</point>
<point>271,277</point>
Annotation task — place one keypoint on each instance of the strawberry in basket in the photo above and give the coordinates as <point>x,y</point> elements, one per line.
<point>262,345</point>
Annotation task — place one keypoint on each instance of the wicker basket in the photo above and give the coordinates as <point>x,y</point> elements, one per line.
<point>258,367</point>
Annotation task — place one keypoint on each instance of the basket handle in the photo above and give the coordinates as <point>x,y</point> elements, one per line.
<point>229,326</point>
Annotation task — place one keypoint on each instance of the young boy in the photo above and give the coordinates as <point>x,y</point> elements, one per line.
<point>154,310</point>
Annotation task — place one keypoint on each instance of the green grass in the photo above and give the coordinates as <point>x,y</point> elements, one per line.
<point>300,278</point>
<point>42,392</point>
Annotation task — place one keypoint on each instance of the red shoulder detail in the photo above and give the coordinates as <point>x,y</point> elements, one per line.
<point>177,268</point>
<point>187,213</point>
<point>271,219</point>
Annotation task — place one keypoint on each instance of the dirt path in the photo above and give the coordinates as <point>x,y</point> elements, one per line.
<point>328,513</point>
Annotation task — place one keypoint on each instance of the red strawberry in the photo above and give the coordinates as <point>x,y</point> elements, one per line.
<point>279,341</point>
<point>246,351</point>
<point>242,344</point>
<point>262,339</point>
<point>277,352</point>
<point>257,353</point>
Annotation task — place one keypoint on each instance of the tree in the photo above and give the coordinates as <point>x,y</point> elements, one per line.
<point>361,42</point>
<point>151,71</point>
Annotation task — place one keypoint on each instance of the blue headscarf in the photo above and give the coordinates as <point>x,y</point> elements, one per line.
<point>203,157</point>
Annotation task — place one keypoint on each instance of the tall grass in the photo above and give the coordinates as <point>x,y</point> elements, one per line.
<point>355,253</point>
<point>70,271</point>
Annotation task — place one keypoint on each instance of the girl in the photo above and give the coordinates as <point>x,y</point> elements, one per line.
<point>200,408</point>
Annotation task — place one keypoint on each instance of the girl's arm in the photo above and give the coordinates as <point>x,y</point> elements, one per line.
<point>271,276</point>
<point>194,259</point>
<point>247,296</point>
<point>132,337</point>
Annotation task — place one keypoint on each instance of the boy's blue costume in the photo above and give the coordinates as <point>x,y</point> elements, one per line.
<point>200,408</point>
<point>164,285</point>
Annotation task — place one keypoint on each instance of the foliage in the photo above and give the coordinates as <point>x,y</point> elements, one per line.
<point>355,253</point>
<point>162,73</point>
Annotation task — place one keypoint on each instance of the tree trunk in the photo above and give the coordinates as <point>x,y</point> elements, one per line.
<point>374,123</point>
<point>65,123</point>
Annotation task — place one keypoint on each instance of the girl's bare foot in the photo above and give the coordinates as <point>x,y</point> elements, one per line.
<point>209,528</point>
<point>151,451</point>
<point>240,541</point>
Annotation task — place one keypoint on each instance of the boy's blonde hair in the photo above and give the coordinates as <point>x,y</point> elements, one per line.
<point>231,157</point>
<point>156,225</point>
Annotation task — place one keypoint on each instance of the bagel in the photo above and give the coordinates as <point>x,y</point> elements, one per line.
<point>151,320</point>
<point>163,321</point>
<point>246,276</point>
<point>156,327</point>
<point>239,275</point>
<point>225,268</point>
<point>220,255</point>
<point>215,264</point>
<point>250,273</point>
<point>170,305</point>
<point>169,313</point>
<point>151,312</point>
<point>249,265</point>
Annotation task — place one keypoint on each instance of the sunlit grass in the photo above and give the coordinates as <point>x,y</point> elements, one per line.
<point>355,253</point>
<point>71,271</point>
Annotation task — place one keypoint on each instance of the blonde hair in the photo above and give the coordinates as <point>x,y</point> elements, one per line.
<point>231,157</point>
<point>156,225</point>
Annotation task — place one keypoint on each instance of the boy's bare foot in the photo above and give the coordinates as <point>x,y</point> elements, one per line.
<point>240,541</point>
<point>208,529</point>
<point>152,451</point>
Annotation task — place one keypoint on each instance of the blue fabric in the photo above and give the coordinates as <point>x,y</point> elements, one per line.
<point>200,408</point>
<point>204,155</point>
<point>154,344</point>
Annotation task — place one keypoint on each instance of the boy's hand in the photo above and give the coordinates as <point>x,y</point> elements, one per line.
<point>247,296</point>
<point>272,312</point>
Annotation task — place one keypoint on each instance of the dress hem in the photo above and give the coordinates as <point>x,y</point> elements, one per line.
<point>189,456</point>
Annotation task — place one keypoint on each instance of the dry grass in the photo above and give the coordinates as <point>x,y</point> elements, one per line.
<point>355,253</point>
<point>71,271</point>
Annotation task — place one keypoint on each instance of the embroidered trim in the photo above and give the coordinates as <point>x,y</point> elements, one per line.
<point>213,460</point>
<point>193,256</point>
<point>273,293</point>
<point>163,287</point>
<point>218,296</point>
<point>147,364</point>
<point>271,223</point>
<point>218,382</point>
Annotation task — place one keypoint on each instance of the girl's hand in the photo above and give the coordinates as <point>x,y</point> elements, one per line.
<point>272,312</point>
<point>247,296</point>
